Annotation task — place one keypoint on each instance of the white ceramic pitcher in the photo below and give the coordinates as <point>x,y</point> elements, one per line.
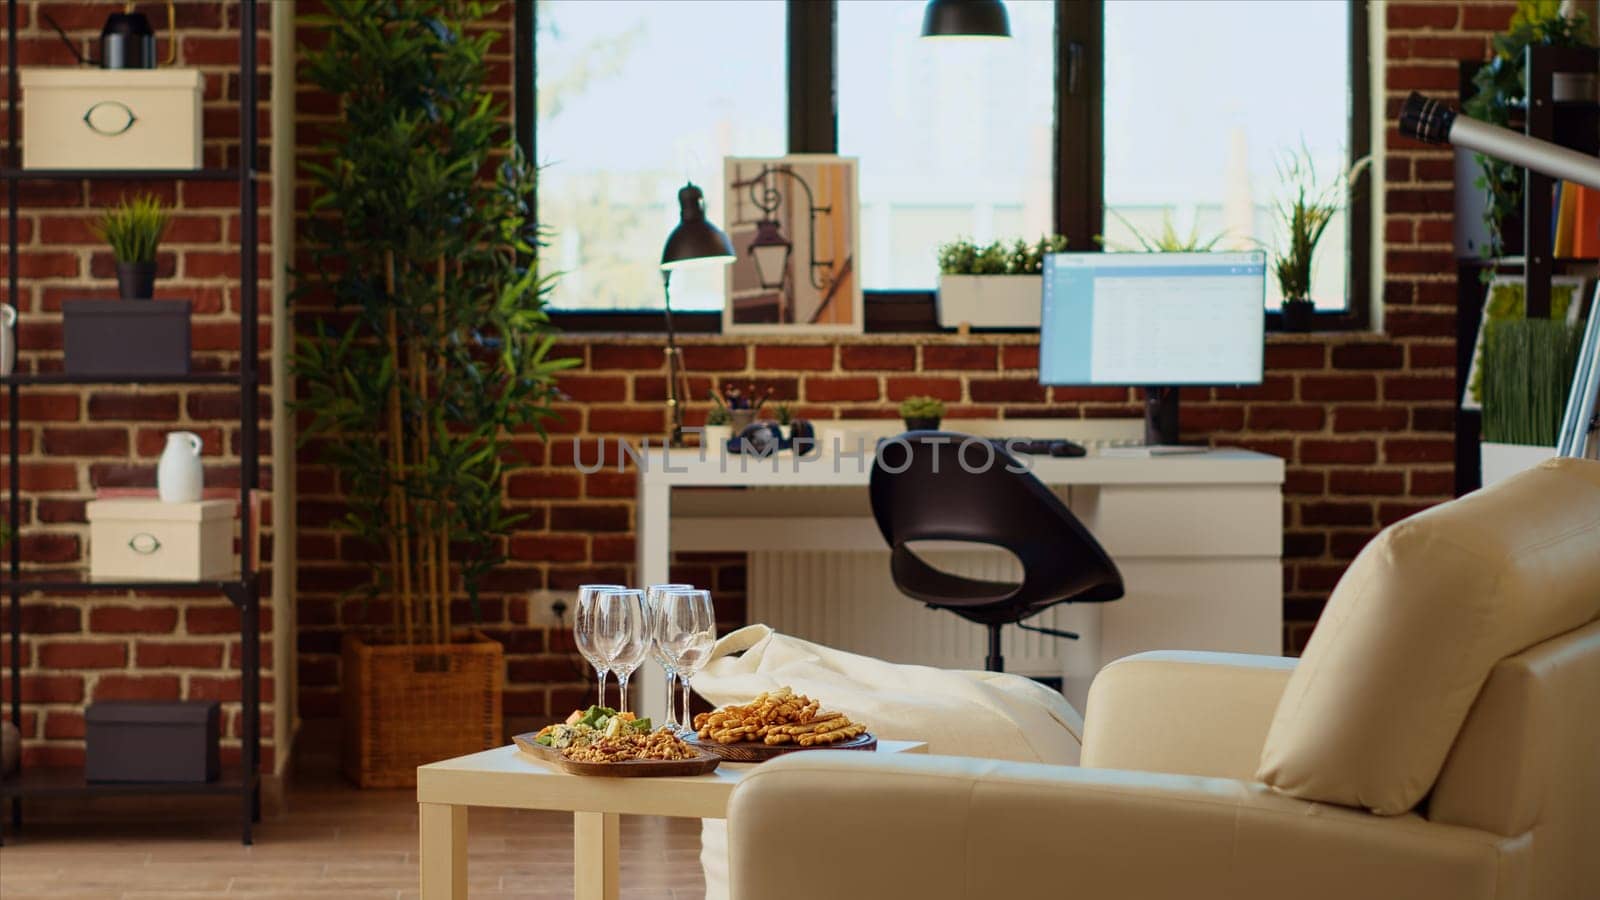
<point>8,338</point>
<point>179,476</point>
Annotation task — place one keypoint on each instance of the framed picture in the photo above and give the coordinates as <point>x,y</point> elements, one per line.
<point>1505,300</point>
<point>796,231</point>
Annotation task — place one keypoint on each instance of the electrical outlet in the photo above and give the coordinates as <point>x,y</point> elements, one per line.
<point>548,609</point>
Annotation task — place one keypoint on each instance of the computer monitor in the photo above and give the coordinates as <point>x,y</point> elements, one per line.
<point>1155,320</point>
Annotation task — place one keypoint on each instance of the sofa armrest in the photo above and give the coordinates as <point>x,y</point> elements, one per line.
<point>1184,712</point>
<point>836,823</point>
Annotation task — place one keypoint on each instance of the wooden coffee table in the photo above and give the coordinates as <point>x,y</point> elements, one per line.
<point>506,777</point>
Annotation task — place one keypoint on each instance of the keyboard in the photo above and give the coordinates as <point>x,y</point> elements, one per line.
<point>1043,447</point>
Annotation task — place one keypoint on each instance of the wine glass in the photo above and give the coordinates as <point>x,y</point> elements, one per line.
<point>652,597</point>
<point>622,634</point>
<point>686,630</point>
<point>583,631</point>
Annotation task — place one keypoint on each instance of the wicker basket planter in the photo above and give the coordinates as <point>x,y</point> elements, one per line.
<point>405,706</point>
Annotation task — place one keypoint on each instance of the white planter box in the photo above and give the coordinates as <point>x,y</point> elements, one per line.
<point>1500,461</point>
<point>151,540</point>
<point>990,301</point>
<point>111,118</point>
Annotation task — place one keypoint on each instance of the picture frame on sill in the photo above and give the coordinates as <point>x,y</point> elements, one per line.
<point>1505,300</point>
<point>795,225</point>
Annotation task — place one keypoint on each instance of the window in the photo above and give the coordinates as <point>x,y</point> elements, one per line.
<point>635,98</point>
<point>1203,100</point>
<point>955,138</point>
<point>1097,116</point>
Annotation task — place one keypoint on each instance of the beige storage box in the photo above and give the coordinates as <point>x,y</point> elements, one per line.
<point>139,539</point>
<point>111,118</point>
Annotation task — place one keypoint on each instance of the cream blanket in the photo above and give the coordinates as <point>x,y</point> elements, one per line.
<point>984,714</point>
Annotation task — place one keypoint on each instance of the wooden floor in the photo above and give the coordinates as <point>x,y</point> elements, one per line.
<point>331,841</point>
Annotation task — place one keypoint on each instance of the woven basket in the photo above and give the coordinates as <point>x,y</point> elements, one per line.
<point>406,706</point>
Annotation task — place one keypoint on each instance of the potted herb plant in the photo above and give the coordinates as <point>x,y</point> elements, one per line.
<point>1306,213</point>
<point>134,229</point>
<point>922,413</point>
<point>1528,367</point>
<point>1167,241</point>
<point>718,428</point>
<point>433,352</point>
<point>995,285</point>
<point>1500,90</point>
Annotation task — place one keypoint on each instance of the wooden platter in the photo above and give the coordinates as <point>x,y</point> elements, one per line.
<point>633,768</point>
<point>754,752</point>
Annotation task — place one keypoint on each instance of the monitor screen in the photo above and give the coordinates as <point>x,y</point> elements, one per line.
<point>1153,318</point>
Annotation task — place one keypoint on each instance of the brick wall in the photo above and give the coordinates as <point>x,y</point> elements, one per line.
<point>1365,420</point>
<point>77,647</point>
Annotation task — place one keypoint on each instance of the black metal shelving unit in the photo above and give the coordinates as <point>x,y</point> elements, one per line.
<point>1570,123</point>
<point>243,592</point>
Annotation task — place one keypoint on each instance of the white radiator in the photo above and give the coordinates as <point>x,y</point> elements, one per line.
<point>849,601</point>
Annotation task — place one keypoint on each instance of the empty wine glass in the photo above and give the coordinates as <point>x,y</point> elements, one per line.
<point>583,630</point>
<point>686,630</point>
<point>622,634</point>
<point>652,599</point>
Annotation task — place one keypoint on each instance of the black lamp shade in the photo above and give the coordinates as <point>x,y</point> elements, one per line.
<point>694,240</point>
<point>966,18</point>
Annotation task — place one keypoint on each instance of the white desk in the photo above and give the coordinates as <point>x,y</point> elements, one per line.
<point>1198,539</point>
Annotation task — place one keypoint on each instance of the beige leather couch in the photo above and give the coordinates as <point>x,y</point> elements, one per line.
<point>1439,740</point>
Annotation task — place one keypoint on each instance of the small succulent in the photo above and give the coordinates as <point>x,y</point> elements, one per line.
<point>921,408</point>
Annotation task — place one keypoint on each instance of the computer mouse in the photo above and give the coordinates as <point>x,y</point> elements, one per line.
<point>1067,448</point>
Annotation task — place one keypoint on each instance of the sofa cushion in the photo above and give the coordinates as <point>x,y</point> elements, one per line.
<point>1415,625</point>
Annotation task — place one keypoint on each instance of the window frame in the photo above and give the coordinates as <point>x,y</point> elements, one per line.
<point>1079,144</point>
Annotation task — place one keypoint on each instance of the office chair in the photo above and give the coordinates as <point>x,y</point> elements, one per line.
<point>921,491</point>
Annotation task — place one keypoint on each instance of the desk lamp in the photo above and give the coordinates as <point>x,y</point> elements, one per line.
<point>694,242</point>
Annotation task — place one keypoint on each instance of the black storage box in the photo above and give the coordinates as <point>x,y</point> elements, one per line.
<point>126,337</point>
<point>140,740</point>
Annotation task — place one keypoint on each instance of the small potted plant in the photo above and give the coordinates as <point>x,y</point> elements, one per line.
<point>744,406</point>
<point>1306,215</point>
<point>134,229</point>
<point>995,285</point>
<point>718,428</point>
<point>922,413</point>
<point>1527,373</point>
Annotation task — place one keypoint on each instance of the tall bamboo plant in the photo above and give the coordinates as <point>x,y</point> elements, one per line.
<point>432,347</point>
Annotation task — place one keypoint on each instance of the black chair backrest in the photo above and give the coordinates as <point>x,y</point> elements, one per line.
<point>943,486</point>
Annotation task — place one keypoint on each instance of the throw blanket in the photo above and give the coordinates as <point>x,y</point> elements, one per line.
<point>985,714</point>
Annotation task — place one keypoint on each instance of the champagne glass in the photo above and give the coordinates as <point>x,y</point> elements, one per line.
<point>622,636</point>
<point>652,597</point>
<point>686,629</point>
<point>583,631</point>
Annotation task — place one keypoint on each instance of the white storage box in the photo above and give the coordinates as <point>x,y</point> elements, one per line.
<point>155,541</point>
<point>111,118</point>
<point>990,301</point>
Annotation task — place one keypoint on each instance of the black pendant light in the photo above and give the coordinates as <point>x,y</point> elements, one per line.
<point>694,240</point>
<point>966,18</point>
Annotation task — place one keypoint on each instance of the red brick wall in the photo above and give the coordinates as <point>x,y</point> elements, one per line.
<point>1365,420</point>
<point>84,647</point>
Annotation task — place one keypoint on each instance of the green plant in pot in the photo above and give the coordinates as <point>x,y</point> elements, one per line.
<point>922,413</point>
<point>1167,241</point>
<point>425,353</point>
<point>1500,90</point>
<point>134,228</point>
<point>1527,373</point>
<point>1306,213</point>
